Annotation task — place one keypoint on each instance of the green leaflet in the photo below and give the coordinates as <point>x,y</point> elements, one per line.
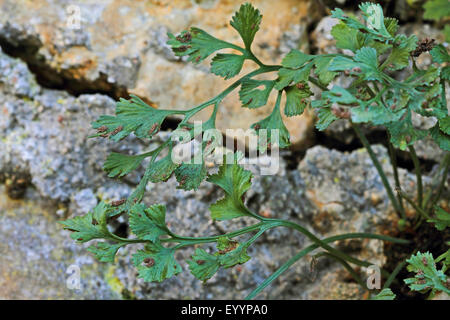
<point>347,38</point>
<point>235,181</point>
<point>156,263</point>
<point>234,257</point>
<point>349,21</point>
<point>148,223</point>
<point>190,175</point>
<point>399,57</point>
<point>373,14</point>
<point>427,277</point>
<point>132,116</point>
<point>90,226</point>
<point>162,169</point>
<point>275,130</point>
<point>195,43</point>
<point>375,114</point>
<point>105,252</point>
<point>296,59</point>
<point>364,63</point>
<point>339,95</point>
<point>391,25</point>
<point>423,77</point>
<point>246,21</point>
<point>203,265</point>
<point>296,100</point>
<point>286,76</point>
<point>119,165</point>
<point>442,219</point>
<point>445,73</point>
<point>385,294</point>
<point>225,243</point>
<point>138,193</point>
<point>326,117</point>
<point>441,138</point>
<point>444,124</point>
<point>403,133</point>
<point>253,97</point>
<point>440,54</point>
<point>227,65</point>
<point>323,70</point>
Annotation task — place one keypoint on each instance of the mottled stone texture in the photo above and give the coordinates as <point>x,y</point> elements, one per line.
<point>120,48</point>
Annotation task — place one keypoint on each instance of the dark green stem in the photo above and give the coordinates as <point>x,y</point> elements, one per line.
<point>443,179</point>
<point>312,247</point>
<point>418,172</point>
<point>352,271</point>
<point>443,166</point>
<point>394,274</point>
<point>393,158</point>
<point>413,204</point>
<point>377,165</point>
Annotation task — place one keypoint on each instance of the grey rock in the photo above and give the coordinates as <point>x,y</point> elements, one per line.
<point>40,261</point>
<point>84,201</point>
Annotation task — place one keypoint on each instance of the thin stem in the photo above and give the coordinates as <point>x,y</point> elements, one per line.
<point>377,165</point>
<point>352,271</point>
<point>444,178</point>
<point>443,96</point>
<point>394,274</point>
<point>233,234</point>
<point>442,166</point>
<point>317,83</point>
<point>323,244</point>
<point>412,203</point>
<point>372,94</point>
<point>418,172</point>
<point>393,158</point>
<point>309,249</point>
<point>191,112</point>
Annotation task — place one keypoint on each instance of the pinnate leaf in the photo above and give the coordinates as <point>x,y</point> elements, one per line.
<point>132,116</point>
<point>148,223</point>
<point>156,263</point>
<point>90,226</point>
<point>105,252</point>
<point>119,165</point>
<point>235,181</point>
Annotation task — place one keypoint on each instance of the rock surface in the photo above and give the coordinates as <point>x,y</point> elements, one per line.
<point>47,158</point>
<point>39,261</point>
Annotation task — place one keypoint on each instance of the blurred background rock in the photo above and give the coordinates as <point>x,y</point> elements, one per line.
<point>57,76</point>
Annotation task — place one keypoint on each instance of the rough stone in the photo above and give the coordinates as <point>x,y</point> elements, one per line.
<point>39,260</point>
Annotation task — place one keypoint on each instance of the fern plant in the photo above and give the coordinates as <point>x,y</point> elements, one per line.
<point>374,97</point>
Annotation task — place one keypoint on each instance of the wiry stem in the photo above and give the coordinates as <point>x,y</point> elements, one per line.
<point>393,158</point>
<point>377,165</point>
<point>418,175</point>
<point>309,249</point>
